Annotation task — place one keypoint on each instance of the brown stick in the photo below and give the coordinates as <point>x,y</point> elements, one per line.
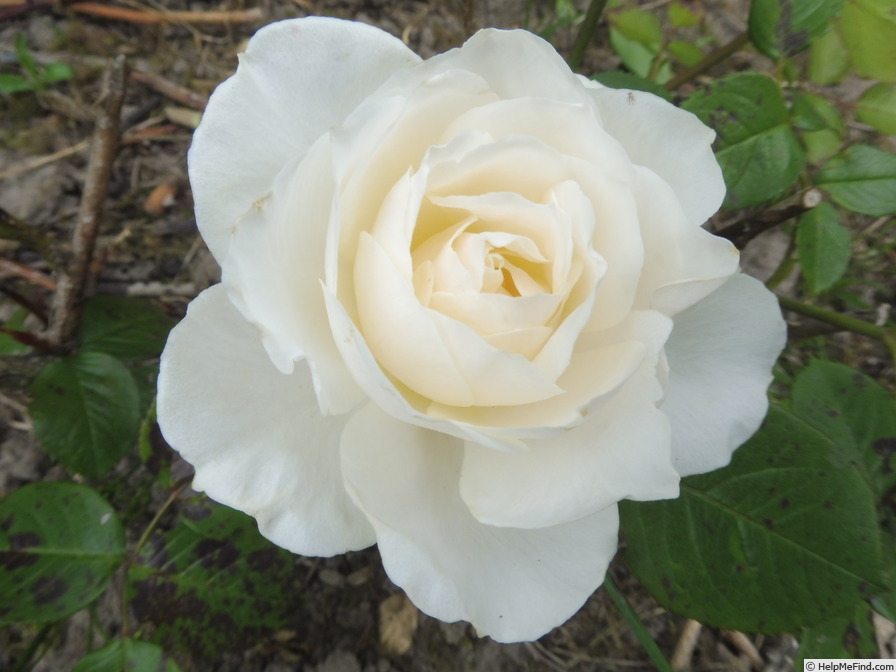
<point>65,311</point>
<point>687,642</point>
<point>8,268</point>
<point>149,16</point>
<point>170,89</point>
<point>745,229</point>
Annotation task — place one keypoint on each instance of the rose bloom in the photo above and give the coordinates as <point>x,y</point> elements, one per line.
<point>467,306</point>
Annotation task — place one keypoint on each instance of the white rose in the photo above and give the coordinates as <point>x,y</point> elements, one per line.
<point>467,306</point>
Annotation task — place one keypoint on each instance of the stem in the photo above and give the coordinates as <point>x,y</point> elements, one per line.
<point>712,58</point>
<point>150,528</point>
<point>72,283</point>
<point>22,665</point>
<point>586,32</point>
<point>656,656</point>
<point>745,229</point>
<point>885,335</point>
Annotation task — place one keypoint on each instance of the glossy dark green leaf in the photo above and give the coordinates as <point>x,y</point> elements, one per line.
<point>877,108</point>
<point>127,655</point>
<point>784,27</point>
<point>868,28</point>
<point>861,179</point>
<point>783,537</point>
<point>213,583</point>
<point>850,635</point>
<point>760,154</point>
<point>124,327</point>
<point>60,543</point>
<point>617,79</point>
<point>856,413</point>
<point>824,247</point>
<point>86,411</point>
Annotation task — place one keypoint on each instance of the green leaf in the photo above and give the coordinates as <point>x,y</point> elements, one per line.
<point>805,114</point>
<point>127,655</point>
<point>634,55</point>
<point>759,153</point>
<point>617,79</point>
<point>639,26</point>
<point>785,536</point>
<point>824,143</point>
<point>828,58</point>
<point>26,60</point>
<point>861,179</point>
<point>124,327</point>
<point>850,635</point>
<point>682,17</point>
<point>9,345</point>
<point>14,84</point>
<point>57,72</point>
<point>213,583</point>
<point>685,53</point>
<point>856,413</point>
<point>877,108</point>
<point>824,247</point>
<point>60,544</point>
<point>784,27</point>
<point>86,411</point>
<point>869,32</point>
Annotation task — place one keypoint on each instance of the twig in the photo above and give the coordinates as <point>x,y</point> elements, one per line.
<point>151,16</point>
<point>712,58</point>
<point>745,229</point>
<point>65,312</point>
<point>8,268</point>
<point>687,642</point>
<point>743,644</point>
<point>42,161</point>
<point>170,89</point>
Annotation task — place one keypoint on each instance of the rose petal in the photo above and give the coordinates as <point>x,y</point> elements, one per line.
<point>296,80</point>
<point>671,142</point>
<point>682,263</point>
<point>510,584</point>
<point>621,451</point>
<point>720,357</point>
<point>273,272</point>
<point>255,435</point>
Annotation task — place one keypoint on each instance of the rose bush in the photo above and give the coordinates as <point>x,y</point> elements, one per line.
<point>466,307</point>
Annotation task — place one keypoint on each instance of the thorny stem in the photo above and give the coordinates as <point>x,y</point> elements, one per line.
<point>586,32</point>
<point>656,656</point>
<point>886,335</point>
<point>711,59</point>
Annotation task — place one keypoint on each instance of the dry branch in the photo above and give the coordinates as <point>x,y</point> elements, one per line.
<point>743,230</point>
<point>65,312</point>
<point>151,16</point>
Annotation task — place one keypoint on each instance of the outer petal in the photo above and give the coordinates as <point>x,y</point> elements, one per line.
<point>511,584</point>
<point>670,141</point>
<point>720,356</point>
<point>273,272</point>
<point>255,436</point>
<point>296,79</point>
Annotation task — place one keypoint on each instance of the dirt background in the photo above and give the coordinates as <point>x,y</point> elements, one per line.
<point>149,247</point>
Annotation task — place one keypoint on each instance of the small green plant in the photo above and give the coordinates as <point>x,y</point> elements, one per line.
<point>36,77</point>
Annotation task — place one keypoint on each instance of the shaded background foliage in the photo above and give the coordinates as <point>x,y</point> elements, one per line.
<point>108,561</point>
